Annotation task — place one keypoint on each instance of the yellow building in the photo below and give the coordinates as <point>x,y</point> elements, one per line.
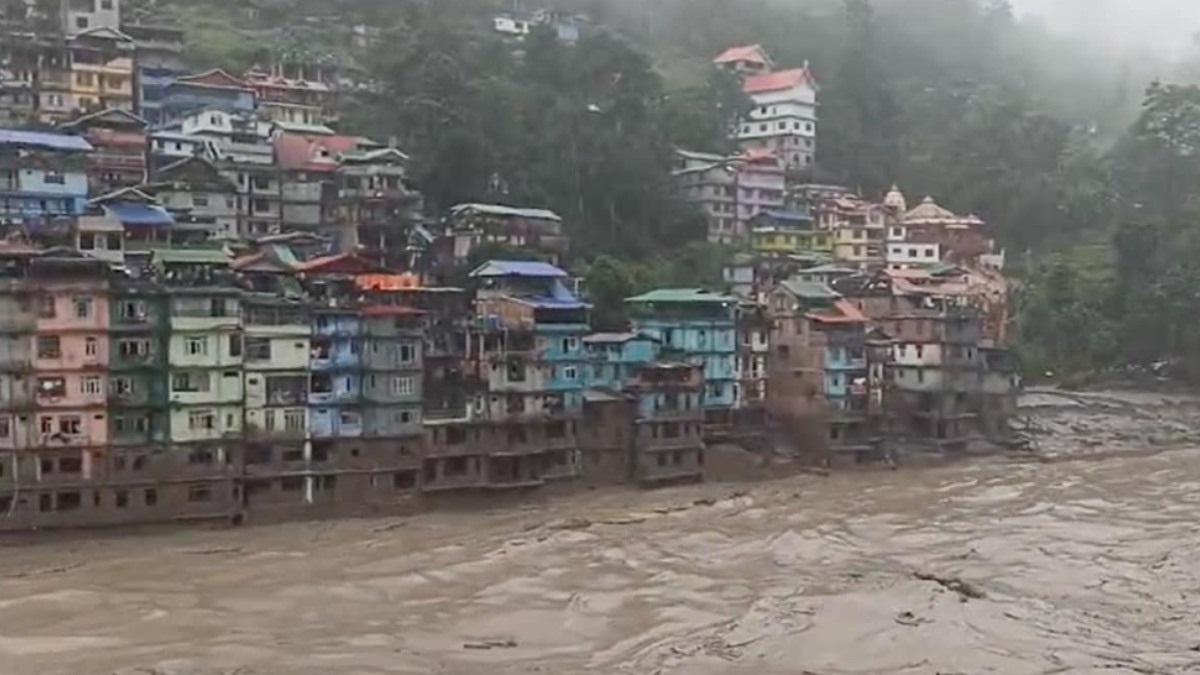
<point>788,233</point>
<point>101,71</point>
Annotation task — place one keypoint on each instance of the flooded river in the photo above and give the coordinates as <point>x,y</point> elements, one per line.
<point>1075,567</point>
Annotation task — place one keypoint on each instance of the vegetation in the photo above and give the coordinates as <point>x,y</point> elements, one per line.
<point>1040,136</point>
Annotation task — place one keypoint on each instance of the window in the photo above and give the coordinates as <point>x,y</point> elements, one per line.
<point>90,385</point>
<point>235,345</point>
<point>83,307</point>
<point>49,347</point>
<point>202,420</point>
<point>293,420</point>
<point>90,347</point>
<point>402,386</point>
<point>200,493</point>
<point>197,346</point>
<point>258,349</point>
<point>190,382</point>
<point>52,387</point>
<point>70,425</point>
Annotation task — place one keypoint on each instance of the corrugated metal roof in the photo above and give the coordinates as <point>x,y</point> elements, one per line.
<point>139,214</point>
<point>498,210</point>
<point>695,295</point>
<point>518,268</point>
<point>809,290</point>
<point>200,256</point>
<point>40,139</point>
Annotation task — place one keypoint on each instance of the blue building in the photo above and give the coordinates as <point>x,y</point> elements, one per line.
<point>43,178</point>
<point>335,388</point>
<point>529,349</point>
<point>698,327</point>
<point>210,90</point>
<point>614,358</point>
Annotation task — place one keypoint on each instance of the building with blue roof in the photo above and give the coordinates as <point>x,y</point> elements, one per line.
<point>43,179</point>
<point>527,346</point>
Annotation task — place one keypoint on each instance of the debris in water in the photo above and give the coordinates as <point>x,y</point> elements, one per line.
<point>491,644</point>
<point>964,589</point>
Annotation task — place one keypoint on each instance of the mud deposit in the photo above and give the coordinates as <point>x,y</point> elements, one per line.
<point>997,566</point>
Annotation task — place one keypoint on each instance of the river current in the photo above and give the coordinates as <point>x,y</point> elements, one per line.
<point>1087,566</point>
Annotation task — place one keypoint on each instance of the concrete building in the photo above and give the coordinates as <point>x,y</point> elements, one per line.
<point>669,436</point>
<point>783,119</point>
<point>101,71</point>
<point>43,179</point>
<point>529,350</point>
<point>158,61</point>
<point>699,327</point>
<point>118,139</point>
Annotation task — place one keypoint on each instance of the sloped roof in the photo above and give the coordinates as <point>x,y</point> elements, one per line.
<point>508,211</point>
<point>809,290</point>
<point>777,81</point>
<point>44,140</point>
<point>751,53</point>
<point>214,78</point>
<point>302,152</point>
<point>518,268</point>
<point>192,256</point>
<point>683,295</point>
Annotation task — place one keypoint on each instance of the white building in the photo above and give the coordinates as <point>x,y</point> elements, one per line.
<point>784,117</point>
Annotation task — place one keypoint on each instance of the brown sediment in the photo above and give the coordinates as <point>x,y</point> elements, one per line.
<point>989,566</point>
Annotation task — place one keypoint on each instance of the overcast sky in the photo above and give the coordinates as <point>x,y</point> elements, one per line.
<point>1164,25</point>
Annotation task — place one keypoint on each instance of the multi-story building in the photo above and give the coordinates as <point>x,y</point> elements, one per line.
<point>82,16</point>
<point>101,70</point>
<point>210,90</point>
<point>158,61</point>
<point>699,327</point>
<point>119,156</point>
<point>309,164</point>
<point>393,372</point>
<point>669,427</point>
<point>43,179</point>
<point>859,230</point>
<point>198,195</point>
<point>536,230</point>
<point>530,352</point>
<point>138,410</point>
<point>731,190</point>
<point>204,358</point>
<point>299,96</point>
<point>376,203</point>
<point>69,422</point>
<point>781,233</point>
<point>783,119</point>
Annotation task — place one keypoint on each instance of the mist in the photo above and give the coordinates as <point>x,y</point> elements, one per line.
<point>1165,27</point>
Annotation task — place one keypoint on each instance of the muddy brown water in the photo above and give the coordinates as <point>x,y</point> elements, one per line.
<point>1085,567</point>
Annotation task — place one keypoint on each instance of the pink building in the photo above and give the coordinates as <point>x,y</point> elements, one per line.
<point>69,427</point>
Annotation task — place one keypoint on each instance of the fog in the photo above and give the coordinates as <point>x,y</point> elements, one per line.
<point>1164,26</point>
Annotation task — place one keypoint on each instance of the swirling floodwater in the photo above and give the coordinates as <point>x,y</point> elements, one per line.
<point>990,567</point>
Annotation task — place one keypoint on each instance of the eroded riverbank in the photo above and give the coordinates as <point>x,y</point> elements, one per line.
<point>1072,567</point>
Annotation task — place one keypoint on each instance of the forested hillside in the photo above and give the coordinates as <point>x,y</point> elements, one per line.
<point>1085,180</point>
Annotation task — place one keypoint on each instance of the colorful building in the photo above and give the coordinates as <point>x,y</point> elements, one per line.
<point>698,327</point>
<point>43,179</point>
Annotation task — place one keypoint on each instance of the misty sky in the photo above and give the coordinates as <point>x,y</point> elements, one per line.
<point>1163,25</point>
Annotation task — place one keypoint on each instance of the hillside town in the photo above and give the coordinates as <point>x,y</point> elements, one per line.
<point>217,306</point>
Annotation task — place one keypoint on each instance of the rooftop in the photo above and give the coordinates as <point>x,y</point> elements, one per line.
<point>44,140</point>
<point>518,268</point>
<point>683,295</point>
